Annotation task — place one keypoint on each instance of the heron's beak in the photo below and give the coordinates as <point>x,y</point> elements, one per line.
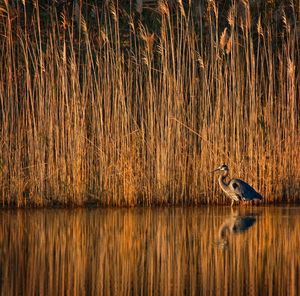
<point>215,170</point>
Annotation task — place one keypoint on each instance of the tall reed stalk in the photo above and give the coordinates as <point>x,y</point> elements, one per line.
<point>100,106</point>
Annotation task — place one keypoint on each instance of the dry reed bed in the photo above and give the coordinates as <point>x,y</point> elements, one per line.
<point>105,110</point>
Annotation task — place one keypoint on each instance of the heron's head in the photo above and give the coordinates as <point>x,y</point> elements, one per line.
<point>223,168</point>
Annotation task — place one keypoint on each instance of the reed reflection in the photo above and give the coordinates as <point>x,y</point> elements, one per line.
<point>149,252</point>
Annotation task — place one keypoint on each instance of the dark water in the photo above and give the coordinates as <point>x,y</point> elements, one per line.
<point>171,251</point>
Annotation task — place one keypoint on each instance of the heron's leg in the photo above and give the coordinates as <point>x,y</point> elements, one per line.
<point>232,202</point>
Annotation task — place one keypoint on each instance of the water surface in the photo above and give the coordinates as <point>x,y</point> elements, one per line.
<point>161,251</point>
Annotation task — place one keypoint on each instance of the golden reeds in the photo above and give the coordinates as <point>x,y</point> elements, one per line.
<point>88,101</point>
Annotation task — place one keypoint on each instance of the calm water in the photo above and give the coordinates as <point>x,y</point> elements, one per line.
<point>171,251</point>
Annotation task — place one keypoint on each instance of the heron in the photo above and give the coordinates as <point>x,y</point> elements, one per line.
<point>236,189</point>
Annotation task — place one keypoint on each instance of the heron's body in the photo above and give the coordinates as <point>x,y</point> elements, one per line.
<point>236,189</point>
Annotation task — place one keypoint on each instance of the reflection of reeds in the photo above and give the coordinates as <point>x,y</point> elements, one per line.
<point>147,251</point>
<point>93,110</point>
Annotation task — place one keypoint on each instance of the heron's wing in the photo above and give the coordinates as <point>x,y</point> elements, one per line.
<point>244,190</point>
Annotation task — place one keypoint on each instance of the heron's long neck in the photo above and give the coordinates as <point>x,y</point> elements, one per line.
<point>222,182</point>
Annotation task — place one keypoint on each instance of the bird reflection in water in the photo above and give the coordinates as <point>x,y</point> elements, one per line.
<point>237,223</point>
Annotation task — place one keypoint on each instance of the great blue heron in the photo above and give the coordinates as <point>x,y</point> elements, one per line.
<point>236,189</point>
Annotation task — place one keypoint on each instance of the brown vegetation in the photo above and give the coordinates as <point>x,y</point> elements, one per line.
<point>102,105</point>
